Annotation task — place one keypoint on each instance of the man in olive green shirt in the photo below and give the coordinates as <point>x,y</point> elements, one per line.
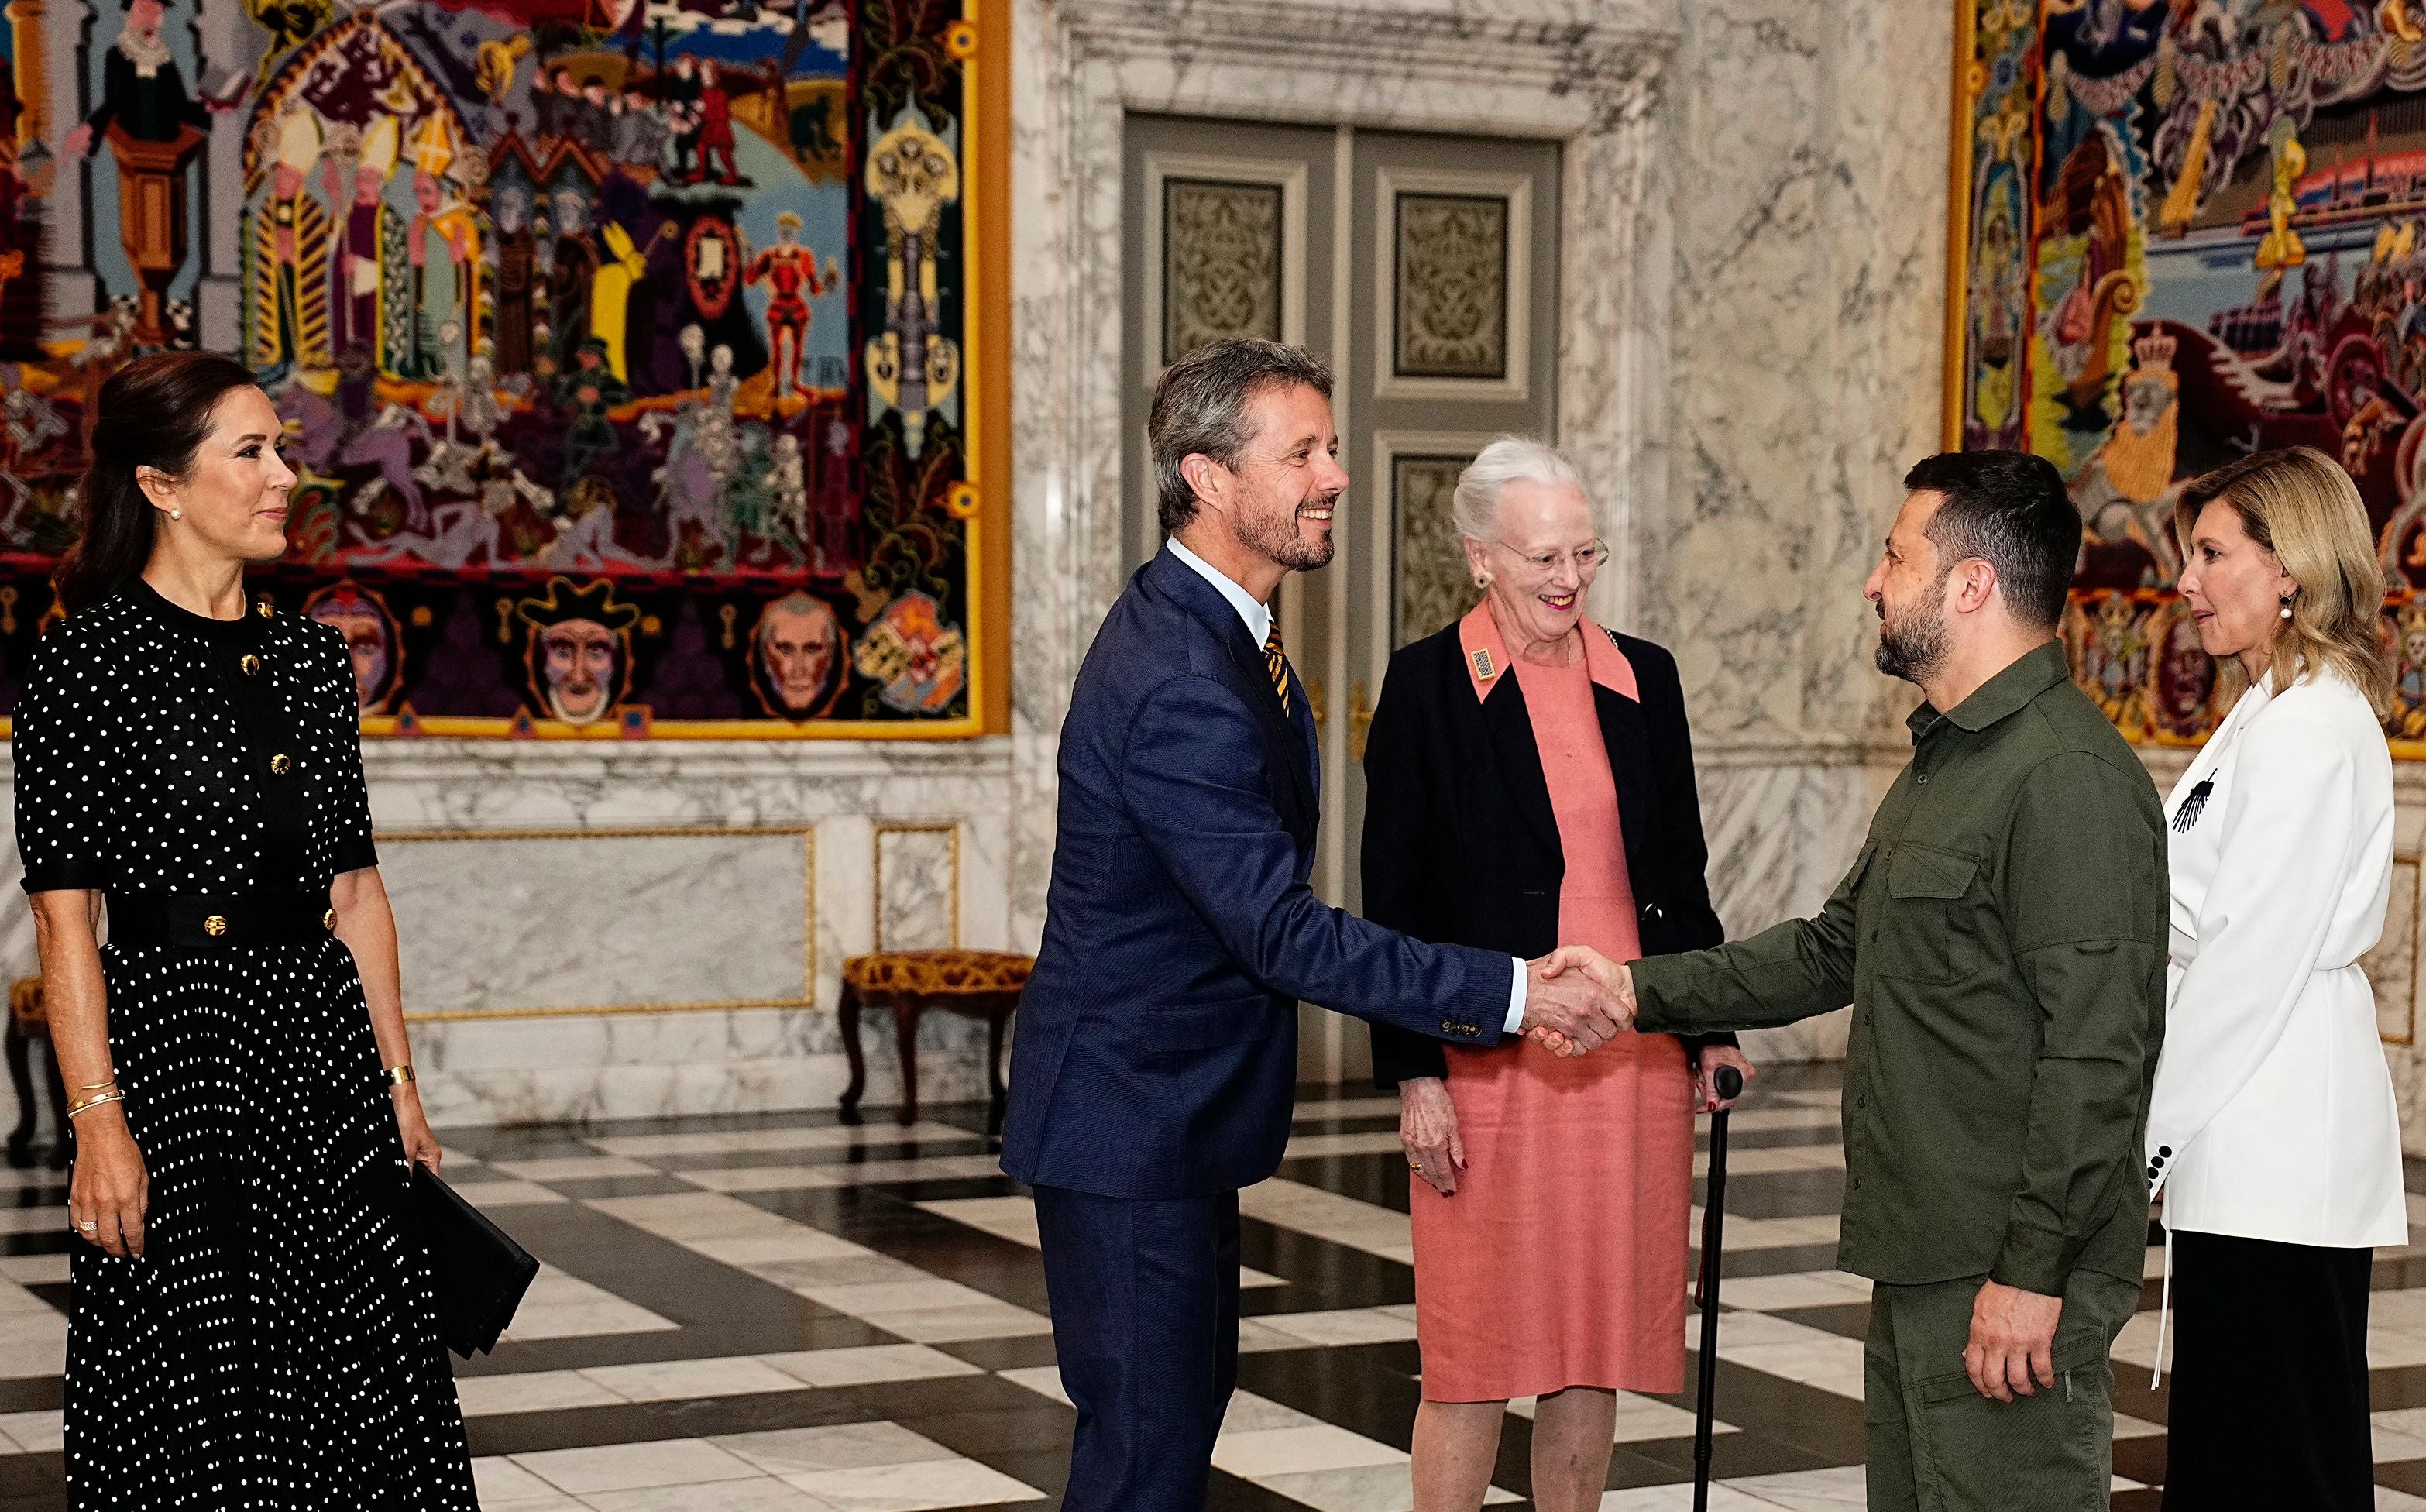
<point>2001,937</point>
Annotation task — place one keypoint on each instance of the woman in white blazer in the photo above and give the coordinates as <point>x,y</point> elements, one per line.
<point>2273,1135</point>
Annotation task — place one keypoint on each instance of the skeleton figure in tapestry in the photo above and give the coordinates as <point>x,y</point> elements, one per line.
<point>27,424</point>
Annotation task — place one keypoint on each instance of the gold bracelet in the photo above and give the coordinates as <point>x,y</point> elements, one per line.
<point>75,1108</point>
<point>102,1085</point>
<point>401,1075</point>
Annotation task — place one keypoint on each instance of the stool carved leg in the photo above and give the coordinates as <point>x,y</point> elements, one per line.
<point>905,1035</point>
<point>846,1017</point>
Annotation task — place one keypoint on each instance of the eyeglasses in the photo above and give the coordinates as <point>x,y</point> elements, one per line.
<point>1548,563</point>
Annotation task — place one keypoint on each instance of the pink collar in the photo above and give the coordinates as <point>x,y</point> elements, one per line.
<point>1487,661</point>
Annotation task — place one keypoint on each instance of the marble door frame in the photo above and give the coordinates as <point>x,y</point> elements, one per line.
<point>1082,65</point>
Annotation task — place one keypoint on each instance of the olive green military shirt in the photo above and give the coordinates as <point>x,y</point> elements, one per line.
<point>2001,937</point>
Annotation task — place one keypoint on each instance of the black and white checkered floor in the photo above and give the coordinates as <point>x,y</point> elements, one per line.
<point>786,1315</point>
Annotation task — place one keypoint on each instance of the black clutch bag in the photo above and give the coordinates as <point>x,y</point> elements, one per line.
<point>479,1272</point>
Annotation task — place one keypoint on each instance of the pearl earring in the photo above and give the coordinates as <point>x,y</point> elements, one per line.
<point>179,514</point>
<point>2287,609</point>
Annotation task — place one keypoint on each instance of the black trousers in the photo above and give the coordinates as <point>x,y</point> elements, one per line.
<point>1145,1323</point>
<point>2270,1406</point>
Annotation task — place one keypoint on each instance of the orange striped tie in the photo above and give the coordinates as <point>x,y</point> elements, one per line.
<point>1277,661</point>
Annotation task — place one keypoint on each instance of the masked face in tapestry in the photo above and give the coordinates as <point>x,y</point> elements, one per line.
<point>800,647</point>
<point>2236,586</point>
<point>1536,605</point>
<point>1277,502</point>
<point>2189,676</point>
<point>232,501</point>
<point>367,645</point>
<point>577,659</point>
<point>1908,589</point>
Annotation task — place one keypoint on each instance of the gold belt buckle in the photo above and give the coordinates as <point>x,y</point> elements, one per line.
<point>214,926</point>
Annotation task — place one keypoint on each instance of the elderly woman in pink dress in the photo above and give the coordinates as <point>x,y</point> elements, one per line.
<point>1530,785</point>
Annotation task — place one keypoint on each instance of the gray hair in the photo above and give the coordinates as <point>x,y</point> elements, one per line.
<point>1200,408</point>
<point>1475,506</point>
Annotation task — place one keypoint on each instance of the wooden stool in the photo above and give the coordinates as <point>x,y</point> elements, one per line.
<point>978,984</point>
<point>29,1023</point>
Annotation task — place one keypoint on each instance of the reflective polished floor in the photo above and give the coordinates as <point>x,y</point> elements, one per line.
<point>788,1314</point>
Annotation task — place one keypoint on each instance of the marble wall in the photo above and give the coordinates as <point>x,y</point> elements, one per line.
<point>594,931</point>
<point>1807,196</point>
<point>1752,229</point>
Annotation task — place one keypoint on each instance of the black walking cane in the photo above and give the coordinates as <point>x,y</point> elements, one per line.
<point>1705,1292</point>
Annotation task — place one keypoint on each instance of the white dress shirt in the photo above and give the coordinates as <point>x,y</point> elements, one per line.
<point>1257,617</point>
<point>2273,1116</point>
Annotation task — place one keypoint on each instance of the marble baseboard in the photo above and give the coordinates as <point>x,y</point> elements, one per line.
<point>638,1066</point>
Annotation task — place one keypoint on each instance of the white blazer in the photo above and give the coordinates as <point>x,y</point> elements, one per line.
<point>2273,1116</point>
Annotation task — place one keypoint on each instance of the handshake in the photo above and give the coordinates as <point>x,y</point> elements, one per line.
<point>1577,1000</point>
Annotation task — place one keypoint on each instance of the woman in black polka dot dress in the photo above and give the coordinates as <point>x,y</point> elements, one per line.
<point>254,1324</point>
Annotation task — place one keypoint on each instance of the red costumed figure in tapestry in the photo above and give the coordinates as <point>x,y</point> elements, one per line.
<point>790,272</point>
<point>715,128</point>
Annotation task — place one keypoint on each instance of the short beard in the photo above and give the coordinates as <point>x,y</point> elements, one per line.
<point>1913,649</point>
<point>1279,540</point>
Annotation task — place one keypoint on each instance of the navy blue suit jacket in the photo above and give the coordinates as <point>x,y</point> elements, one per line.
<point>1156,1047</point>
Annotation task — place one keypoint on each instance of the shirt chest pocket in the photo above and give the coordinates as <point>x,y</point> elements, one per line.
<point>1925,929</point>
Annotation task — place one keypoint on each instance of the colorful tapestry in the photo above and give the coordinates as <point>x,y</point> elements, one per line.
<point>2183,233</point>
<point>620,343</point>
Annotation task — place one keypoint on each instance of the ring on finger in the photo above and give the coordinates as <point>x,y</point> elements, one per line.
<point>89,1226</point>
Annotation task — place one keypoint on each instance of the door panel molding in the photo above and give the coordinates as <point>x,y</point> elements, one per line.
<point>1287,177</point>
<point>1514,192</point>
<point>1388,447</point>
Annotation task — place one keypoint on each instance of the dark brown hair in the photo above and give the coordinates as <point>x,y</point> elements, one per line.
<point>154,413</point>
<point>2009,509</point>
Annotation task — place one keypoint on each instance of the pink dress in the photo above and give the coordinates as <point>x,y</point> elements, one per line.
<point>1574,1168</point>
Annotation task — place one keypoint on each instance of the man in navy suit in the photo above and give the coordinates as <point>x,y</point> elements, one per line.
<point>1157,1054</point>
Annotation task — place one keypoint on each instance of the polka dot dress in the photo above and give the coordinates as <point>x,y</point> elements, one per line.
<point>276,1348</point>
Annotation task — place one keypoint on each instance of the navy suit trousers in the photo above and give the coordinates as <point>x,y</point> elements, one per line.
<point>1144,1295</point>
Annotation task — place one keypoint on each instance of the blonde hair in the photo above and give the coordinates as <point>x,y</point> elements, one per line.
<point>2299,504</point>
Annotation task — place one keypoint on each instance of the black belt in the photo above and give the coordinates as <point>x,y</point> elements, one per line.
<point>200,923</point>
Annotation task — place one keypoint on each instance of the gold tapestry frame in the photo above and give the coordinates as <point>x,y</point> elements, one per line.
<point>985,210</point>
